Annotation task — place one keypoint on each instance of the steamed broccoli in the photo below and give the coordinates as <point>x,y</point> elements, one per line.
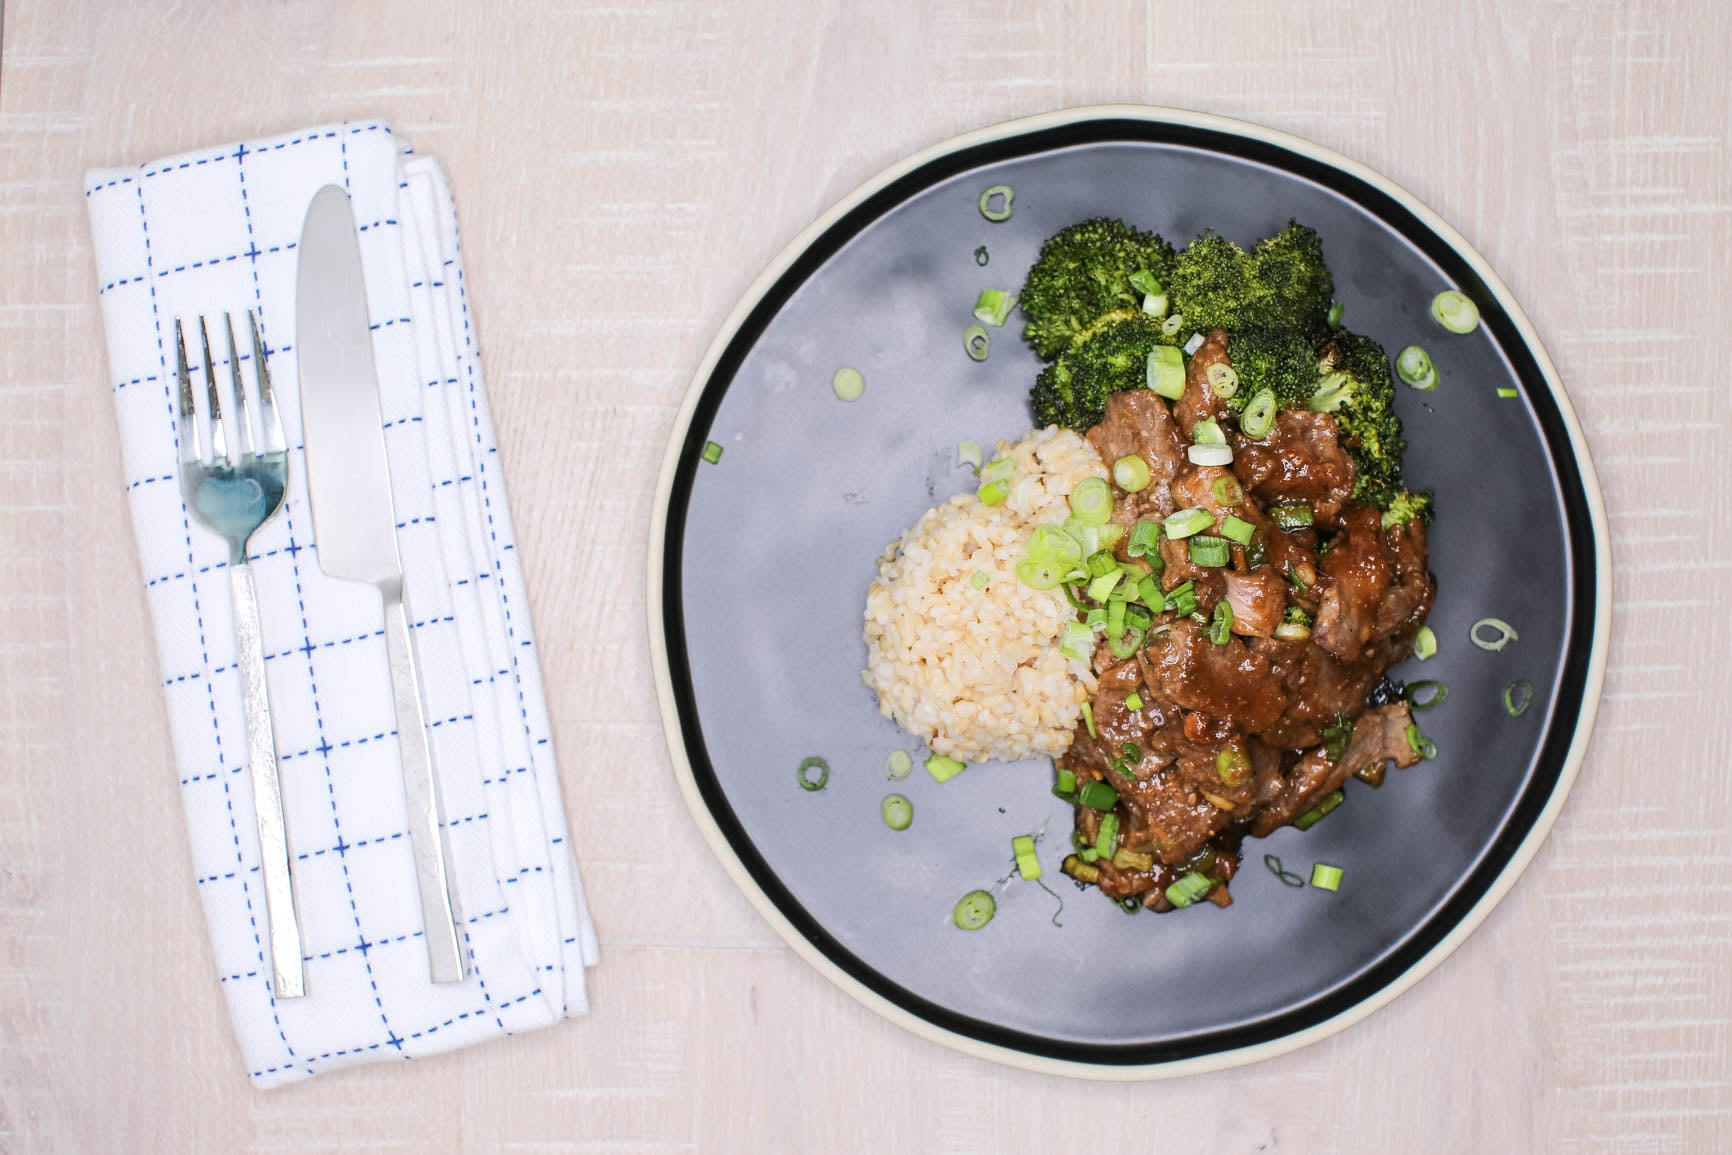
<point>1107,358</point>
<point>1359,389</point>
<point>1272,359</point>
<point>1082,272</point>
<point>1282,283</point>
<point>1407,506</point>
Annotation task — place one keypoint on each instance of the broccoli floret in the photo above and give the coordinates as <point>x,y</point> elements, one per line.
<point>1407,506</point>
<point>1282,283</point>
<point>1272,359</point>
<point>1296,616</point>
<point>1073,390</point>
<point>1082,272</point>
<point>1358,387</point>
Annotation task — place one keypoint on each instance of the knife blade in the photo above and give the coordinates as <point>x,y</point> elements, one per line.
<point>355,524</point>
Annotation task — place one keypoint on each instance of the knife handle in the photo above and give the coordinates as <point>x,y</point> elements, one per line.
<point>283,929</point>
<point>421,794</point>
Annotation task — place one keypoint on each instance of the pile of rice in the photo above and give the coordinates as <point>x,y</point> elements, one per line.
<point>977,673</point>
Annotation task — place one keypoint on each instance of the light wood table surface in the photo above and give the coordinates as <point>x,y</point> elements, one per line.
<point>623,171</point>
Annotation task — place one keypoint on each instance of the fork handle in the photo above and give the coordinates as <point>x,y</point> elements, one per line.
<point>421,796</point>
<point>284,929</point>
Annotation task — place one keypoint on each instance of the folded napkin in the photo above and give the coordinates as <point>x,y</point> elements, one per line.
<point>217,231</point>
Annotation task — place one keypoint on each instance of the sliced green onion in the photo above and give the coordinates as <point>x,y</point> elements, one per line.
<point>1022,848</point>
<point>1145,539</point>
<point>1088,713</point>
<point>898,765</point>
<point>1139,618</point>
<point>1296,577</point>
<point>968,453</point>
<point>1505,634</point>
<point>1149,590</point>
<point>1097,796</point>
<point>1326,877</point>
<point>1207,550</point>
<point>1424,643</point>
<point>1291,515</point>
<point>1187,522</point>
<point>1223,380</point>
<point>1126,644</point>
<point>977,341</point>
<point>1287,877</point>
<point>1419,743</point>
<point>712,452</point>
<point>1155,304</point>
<point>1144,281</point>
<point>1171,326</point>
<point>1039,575</point>
<point>1132,860</point>
<point>981,256</point>
<point>1227,491</point>
<point>1065,787</point>
<point>805,777</point>
<point>993,306</point>
<point>943,769</point>
<point>1189,889</point>
<point>1413,365</point>
<point>993,492</point>
<point>897,811</point>
<point>1166,372</point>
<point>1131,474</point>
<point>848,384</point>
<point>1108,535</point>
<point>999,469</point>
<point>1315,815</point>
<point>1437,693</point>
<point>1335,313</point>
<point>1336,736</point>
<point>980,579</point>
<point>1220,622</point>
<point>1000,212</point>
<point>1089,854</point>
<point>1209,454</point>
<point>1208,432</point>
<point>1517,697</point>
<point>1080,870</point>
<point>1455,312</point>
<point>1052,545</point>
<point>1107,841</point>
<point>1092,501</point>
<point>1115,618</point>
<point>974,909</point>
<point>1235,529</point>
<point>1255,555</point>
<point>1096,620</point>
<point>1101,587</point>
<point>1258,417</point>
<point>1331,394</point>
<point>1078,641</point>
<point>1182,599</point>
<point>1133,701</point>
<point>1102,563</point>
<point>1506,392</point>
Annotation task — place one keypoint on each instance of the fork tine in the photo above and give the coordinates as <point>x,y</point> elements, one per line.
<point>190,450</point>
<point>244,407</point>
<point>268,422</point>
<point>218,438</point>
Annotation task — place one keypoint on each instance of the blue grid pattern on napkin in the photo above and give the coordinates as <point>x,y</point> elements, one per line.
<point>217,231</point>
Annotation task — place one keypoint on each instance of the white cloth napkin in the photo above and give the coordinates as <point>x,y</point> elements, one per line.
<point>218,230</point>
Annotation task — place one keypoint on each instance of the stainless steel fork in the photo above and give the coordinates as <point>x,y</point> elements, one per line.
<point>234,496</point>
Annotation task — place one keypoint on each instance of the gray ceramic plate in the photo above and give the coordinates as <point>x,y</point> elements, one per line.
<point>760,563</point>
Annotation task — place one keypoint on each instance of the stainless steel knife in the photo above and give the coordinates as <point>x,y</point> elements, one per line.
<point>354,524</point>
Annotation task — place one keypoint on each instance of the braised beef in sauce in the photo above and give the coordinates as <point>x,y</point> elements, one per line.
<point>1210,734</point>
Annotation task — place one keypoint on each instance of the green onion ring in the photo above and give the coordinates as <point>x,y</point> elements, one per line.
<point>998,215</point>
<point>1455,312</point>
<point>1411,692</point>
<point>977,341</point>
<point>806,781</point>
<point>981,256</point>
<point>897,811</point>
<point>1259,415</point>
<point>848,384</point>
<point>1506,634</point>
<point>974,910</point>
<point>1287,877</point>
<point>1518,696</point>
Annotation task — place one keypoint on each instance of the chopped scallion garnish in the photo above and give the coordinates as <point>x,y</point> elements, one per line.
<point>1292,515</point>
<point>1435,693</point>
<point>898,765</point>
<point>1207,550</point>
<point>1221,621</point>
<point>1326,877</point>
<point>993,492</point>
<point>968,453</point>
<point>1227,491</point>
<point>1455,312</point>
<point>977,341</point>
<point>848,384</point>
<point>1182,599</point>
<point>1413,365</point>
<point>712,452</point>
<point>1078,641</point>
<point>1517,697</point>
<point>897,811</point>
<point>1258,417</point>
<point>981,256</point>
<point>1315,815</point>
<point>1027,864</point>
<point>1189,888</point>
<point>1419,743</point>
<point>1088,713</point>
<point>1092,501</point>
<point>1223,380</point>
<point>1237,529</point>
<point>1145,539</point>
<point>995,203</point>
<point>943,769</point>
<point>807,779</point>
<point>993,306</point>
<point>1171,326</point>
<point>1131,474</point>
<point>1186,522</point>
<point>1287,877</point>
<point>1505,634</point>
<point>1107,841</point>
<point>1097,796</point>
<point>1208,432</point>
<point>974,909</point>
<point>1126,644</point>
<point>1424,643</point>
<point>1506,392</point>
<point>1133,701</point>
<point>1166,372</point>
<point>1065,787</point>
<point>1039,575</point>
<point>980,579</point>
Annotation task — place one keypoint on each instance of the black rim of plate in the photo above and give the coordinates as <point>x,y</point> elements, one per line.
<point>1553,753</point>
